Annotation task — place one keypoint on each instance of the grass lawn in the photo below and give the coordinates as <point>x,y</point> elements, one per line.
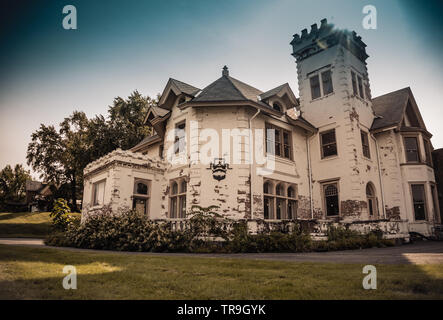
<point>36,273</point>
<point>25,224</point>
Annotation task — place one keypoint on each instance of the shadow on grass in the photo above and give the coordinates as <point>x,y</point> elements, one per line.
<point>117,276</point>
<point>25,229</point>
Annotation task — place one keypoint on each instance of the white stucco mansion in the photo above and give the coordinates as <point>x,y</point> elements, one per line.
<point>338,154</point>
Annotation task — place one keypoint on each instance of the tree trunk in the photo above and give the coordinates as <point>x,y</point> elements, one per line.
<point>74,193</point>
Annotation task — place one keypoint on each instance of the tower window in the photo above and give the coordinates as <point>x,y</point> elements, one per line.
<point>315,87</point>
<point>360,87</point>
<point>327,82</point>
<point>365,144</point>
<point>328,144</point>
<point>354,83</point>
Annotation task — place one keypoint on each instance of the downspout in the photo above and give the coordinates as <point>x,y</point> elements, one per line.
<point>251,159</point>
<point>379,177</point>
<point>311,201</point>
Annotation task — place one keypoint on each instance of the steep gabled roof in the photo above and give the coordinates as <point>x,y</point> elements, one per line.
<point>227,88</point>
<point>272,92</point>
<point>185,88</point>
<point>390,108</point>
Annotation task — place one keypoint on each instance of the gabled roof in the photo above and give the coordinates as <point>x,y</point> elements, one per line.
<point>390,109</point>
<point>185,88</point>
<point>177,87</point>
<point>272,92</point>
<point>227,88</point>
<point>145,141</point>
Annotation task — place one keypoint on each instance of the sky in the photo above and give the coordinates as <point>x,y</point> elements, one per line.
<point>47,72</point>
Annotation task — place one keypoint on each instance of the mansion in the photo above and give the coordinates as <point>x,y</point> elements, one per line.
<point>332,155</point>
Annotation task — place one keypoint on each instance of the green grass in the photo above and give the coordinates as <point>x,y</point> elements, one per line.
<point>25,224</point>
<point>36,273</point>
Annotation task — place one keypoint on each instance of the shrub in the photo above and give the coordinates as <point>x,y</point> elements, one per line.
<point>206,233</point>
<point>60,214</point>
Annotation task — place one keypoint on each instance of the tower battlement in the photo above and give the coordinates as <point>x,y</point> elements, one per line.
<point>327,36</point>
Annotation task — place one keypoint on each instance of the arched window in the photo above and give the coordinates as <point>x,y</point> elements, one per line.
<point>279,190</point>
<point>372,200</point>
<point>330,192</point>
<point>279,205</point>
<point>141,196</point>
<point>277,107</point>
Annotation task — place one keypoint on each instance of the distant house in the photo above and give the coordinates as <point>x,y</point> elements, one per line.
<point>37,195</point>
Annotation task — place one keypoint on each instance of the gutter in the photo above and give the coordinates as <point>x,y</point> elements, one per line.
<point>252,162</point>
<point>379,177</point>
<point>308,150</point>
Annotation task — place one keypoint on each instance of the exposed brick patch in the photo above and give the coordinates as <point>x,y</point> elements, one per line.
<point>393,213</point>
<point>352,208</point>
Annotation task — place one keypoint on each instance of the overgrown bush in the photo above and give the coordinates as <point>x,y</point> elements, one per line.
<point>206,232</point>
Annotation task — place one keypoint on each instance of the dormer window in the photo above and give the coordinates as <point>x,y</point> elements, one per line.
<point>182,100</point>
<point>277,107</point>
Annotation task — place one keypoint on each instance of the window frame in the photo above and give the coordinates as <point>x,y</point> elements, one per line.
<point>425,205</point>
<point>140,196</point>
<point>363,145</point>
<point>312,88</point>
<point>274,199</point>
<point>179,141</point>
<point>331,143</point>
<point>176,199</point>
<point>281,143</point>
<point>94,192</point>
<point>416,137</point>
<point>428,152</point>
<point>324,185</point>
<point>323,82</point>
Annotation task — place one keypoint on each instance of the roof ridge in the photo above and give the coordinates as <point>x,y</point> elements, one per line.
<point>233,84</point>
<point>395,91</point>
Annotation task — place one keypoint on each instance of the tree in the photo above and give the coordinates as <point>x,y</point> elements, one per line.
<point>60,156</point>
<point>13,183</point>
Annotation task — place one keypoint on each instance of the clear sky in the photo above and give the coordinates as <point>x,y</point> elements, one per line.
<point>47,72</point>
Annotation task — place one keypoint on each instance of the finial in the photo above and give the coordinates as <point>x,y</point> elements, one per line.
<point>225,71</point>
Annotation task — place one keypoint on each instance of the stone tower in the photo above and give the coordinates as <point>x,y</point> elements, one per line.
<point>335,97</point>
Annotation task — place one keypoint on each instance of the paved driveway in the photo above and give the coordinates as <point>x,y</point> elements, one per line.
<point>425,252</point>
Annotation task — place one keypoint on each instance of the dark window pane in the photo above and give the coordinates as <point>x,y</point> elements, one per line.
<point>418,196</point>
<point>315,87</point>
<point>411,148</point>
<point>329,146</point>
<point>328,137</point>
<point>331,200</point>
<point>354,84</point>
<point>277,107</point>
<point>365,144</point>
<point>360,87</point>
<point>142,188</point>
<point>327,82</point>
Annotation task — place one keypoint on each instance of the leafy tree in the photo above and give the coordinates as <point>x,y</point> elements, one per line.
<point>13,183</point>
<point>60,156</point>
